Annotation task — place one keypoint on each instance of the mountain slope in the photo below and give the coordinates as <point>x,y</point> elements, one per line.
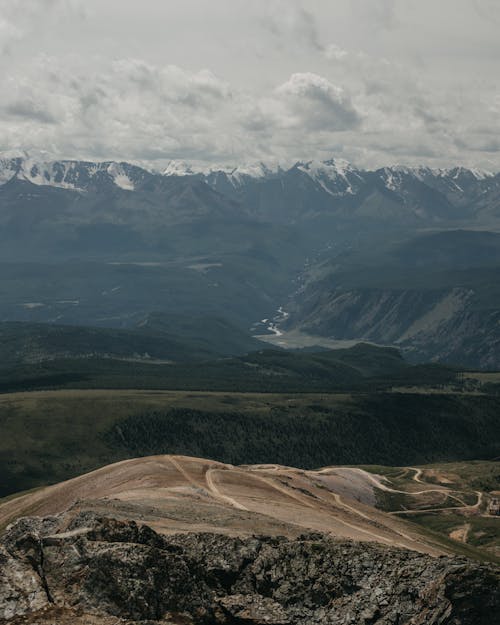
<point>120,242</point>
<point>282,497</point>
<point>158,337</point>
<point>333,187</point>
<point>435,295</point>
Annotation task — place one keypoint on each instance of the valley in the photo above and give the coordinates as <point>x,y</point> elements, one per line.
<point>197,368</point>
<point>249,312</point>
<point>335,246</point>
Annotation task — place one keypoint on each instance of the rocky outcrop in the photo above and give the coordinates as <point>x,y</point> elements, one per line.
<point>89,569</point>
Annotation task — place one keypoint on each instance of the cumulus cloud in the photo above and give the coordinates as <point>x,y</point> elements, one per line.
<point>138,110</point>
<point>130,109</point>
<point>314,103</point>
<point>374,82</point>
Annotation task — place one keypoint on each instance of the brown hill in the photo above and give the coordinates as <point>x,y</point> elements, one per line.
<point>173,494</point>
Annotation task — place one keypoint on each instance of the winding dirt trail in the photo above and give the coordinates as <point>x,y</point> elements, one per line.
<point>209,477</point>
<point>379,482</point>
<point>418,474</point>
<point>184,473</point>
<point>177,494</point>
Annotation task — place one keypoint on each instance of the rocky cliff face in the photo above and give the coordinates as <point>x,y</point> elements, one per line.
<point>100,571</point>
<point>439,324</point>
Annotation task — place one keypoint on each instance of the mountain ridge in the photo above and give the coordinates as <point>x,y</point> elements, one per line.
<point>239,242</point>
<point>46,170</point>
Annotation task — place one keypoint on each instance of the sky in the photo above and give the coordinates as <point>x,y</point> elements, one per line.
<point>221,82</point>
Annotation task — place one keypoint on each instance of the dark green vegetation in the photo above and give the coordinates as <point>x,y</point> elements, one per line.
<point>47,437</point>
<point>157,288</point>
<point>121,292</point>
<point>395,256</point>
<point>157,337</point>
<point>482,532</point>
<point>40,357</point>
<point>370,428</point>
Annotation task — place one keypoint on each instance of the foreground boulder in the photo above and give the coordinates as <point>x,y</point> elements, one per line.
<point>90,570</point>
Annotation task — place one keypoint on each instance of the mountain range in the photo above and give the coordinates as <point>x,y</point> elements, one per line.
<point>426,193</point>
<point>414,250</point>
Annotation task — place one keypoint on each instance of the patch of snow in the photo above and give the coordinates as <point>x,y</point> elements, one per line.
<point>119,177</point>
<point>335,176</point>
<point>43,173</point>
<point>390,182</point>
<point>481,174</point>
<point>178,168</point>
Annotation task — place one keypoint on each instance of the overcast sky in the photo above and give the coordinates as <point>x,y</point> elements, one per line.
<point>225,81</point>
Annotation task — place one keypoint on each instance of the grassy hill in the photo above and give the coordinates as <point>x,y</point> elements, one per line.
<point>158,337</point>
<point>50,436</point>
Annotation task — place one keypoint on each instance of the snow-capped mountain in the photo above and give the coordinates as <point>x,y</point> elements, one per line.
<point>178,168</point>
<point>306,190</point>
<point>226,235</point>
<point>336,177</point>
<point>68,174</point>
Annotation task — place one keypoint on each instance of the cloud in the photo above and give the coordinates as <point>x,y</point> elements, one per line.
<point>9,34</point>
<point>19,18</point>
<point>132,109</point>
<point>334,52</point>
<point>294,26</point>
<point>375,13</point>
<point>22,9</point>
<point>375,82</point>
<point>315,103</point>
<point>489,10</point>
<point>290,22</point>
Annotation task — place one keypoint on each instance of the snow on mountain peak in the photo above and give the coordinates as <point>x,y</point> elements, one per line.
<point>336,176</point>
<point>332,168</point>
<point>237,175</point>
<point>64,174</point>
<point>119,176</point>
<point>178,168</point>
<point>478,174</point>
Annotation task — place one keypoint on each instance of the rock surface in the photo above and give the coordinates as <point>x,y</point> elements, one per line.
<point>93,570</point>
